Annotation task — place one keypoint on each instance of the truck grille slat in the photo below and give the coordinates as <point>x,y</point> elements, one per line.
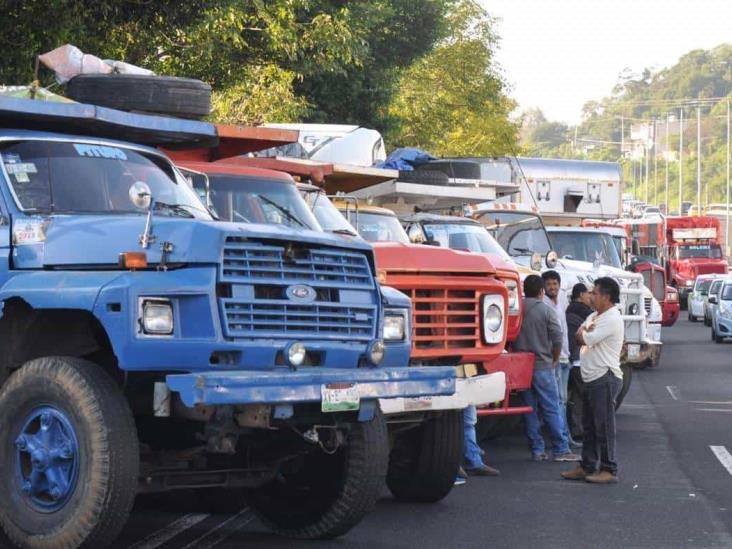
<point>647,304</point>
<point>444,318</point>
<point>254,302</point>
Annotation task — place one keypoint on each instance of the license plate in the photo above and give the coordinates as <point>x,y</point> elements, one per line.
<point>417,403</point>
<point>633,351</point>
<point>339,397</point>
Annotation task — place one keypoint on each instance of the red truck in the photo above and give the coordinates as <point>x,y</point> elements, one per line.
<point>686,247</point>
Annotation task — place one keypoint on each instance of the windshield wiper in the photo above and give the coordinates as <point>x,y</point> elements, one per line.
<point>177,209</point>
<point>522,250</point>
<point>344,231</point>
<point>285,211</point>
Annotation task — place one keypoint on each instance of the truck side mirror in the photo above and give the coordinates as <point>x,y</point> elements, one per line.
<point>416,234</point>
<point>140,195</point>
<point>713,299</point>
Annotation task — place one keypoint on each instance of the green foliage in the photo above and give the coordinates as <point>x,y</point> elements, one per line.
<point>452,101</point>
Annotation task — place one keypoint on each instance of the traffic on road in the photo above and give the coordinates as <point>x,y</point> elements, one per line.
<point>211,341</point>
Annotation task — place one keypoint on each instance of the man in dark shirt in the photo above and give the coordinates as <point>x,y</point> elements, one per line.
<point>542,335</point>
<point>577,311</point>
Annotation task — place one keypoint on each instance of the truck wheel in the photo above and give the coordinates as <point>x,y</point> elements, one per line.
<point>627,379</point>
<point>184,97</point>
<point>323,495</point>
<point>70,455</point>
<point>692,318</point>
<point>707,321</point>
<point>717,338</point>
<point>425,460</point>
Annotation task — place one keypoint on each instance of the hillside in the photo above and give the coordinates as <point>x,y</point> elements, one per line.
<point>701,78</point>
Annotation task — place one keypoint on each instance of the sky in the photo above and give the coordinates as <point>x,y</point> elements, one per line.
<point>559,54</point>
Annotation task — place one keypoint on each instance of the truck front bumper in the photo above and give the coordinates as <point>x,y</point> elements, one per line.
<point>285,386</point>
<point>478,391</point>
<point>637,354</point>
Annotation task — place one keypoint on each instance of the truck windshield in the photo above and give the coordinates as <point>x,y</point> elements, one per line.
<point>519,233</point>
<point>586,246</point>
<point>702,286</point>
<point>326,213</point>
<point>377,227</point>
<point>463,236</point>
<point>252,200</point>
<point>64,177</point>
<point>700,250</point>
<point>726,292</point>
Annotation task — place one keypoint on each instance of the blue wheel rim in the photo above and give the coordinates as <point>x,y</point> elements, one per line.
<point>47,459</point>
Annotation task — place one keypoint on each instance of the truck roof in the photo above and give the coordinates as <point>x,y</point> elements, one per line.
<point>341,202</point>
<point>233,169</point>
<point>436,218</point>
<point>101,122</point>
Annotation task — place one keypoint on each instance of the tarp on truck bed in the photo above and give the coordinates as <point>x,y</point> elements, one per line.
<point>91,120</point>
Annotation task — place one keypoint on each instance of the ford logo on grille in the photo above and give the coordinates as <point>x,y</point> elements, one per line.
<point>301,292</point>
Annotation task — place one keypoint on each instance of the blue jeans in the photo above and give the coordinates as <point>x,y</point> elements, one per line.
<point>544,398</point>
<point>562,375</point>
<point>471,451</point>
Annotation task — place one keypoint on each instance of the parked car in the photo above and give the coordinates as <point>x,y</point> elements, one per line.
<point>698,296</point>
<point>722,312</point>
<point>714,290</point>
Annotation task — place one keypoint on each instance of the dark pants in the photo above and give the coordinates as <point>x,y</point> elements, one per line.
<point>598,421</point>
<point>576,392</point>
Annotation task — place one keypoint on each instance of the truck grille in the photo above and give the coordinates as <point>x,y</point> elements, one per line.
<point>444,318</point>
<point>254,278</point>
<point>275,318</point>
<point>247,261</point>
<point>647,304</point>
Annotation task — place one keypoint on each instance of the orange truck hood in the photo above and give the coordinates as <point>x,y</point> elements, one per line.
<point>419,258</point>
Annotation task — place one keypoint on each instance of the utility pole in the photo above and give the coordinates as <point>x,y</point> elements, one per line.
<point>698,159</point>
<point>681,158</point>
<point>647,155</point>
<point>655,163</point>
<point>666,163</point>
<point>726,221</point>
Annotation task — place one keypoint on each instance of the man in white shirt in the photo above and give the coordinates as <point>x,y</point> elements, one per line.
<point>601,337</point>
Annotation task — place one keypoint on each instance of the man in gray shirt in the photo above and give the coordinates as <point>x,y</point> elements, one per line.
<point>542,335</point>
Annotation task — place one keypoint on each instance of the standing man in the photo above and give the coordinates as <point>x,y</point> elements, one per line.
<point>577,312</point>
<point>555,299</point>
<point>601,337</point>
<point>541,334</point>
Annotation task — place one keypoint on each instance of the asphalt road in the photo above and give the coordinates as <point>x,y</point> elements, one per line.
<point>674,490</point>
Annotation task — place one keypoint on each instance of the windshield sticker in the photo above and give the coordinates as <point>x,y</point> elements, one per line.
<point>29,232</point>
<point>99,151</point>
<point>10,158</point>
<point>22,177</point>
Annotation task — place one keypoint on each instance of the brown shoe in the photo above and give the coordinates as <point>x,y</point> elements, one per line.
<point>578,473</point>
<point>602,477</point>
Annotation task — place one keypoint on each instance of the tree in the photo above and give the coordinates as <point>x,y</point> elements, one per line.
<point>453,101</point>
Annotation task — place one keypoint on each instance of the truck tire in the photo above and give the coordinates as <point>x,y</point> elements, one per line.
<point>627,380</point>
<point>425,460</point>
<point>717,338</point>
<point>183,97</point>
<point>328,494</point>
<point>692,318</point>
<point>78,487</point>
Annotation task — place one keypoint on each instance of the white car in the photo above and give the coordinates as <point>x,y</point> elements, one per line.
<point>698,296</point>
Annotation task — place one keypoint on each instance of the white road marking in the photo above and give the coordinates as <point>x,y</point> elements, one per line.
<point>724,457</point>
<point>156,539</point>
<point>712,402</point>
<point>673,390</point>
<point>220,532</point>
<point>713,409</point>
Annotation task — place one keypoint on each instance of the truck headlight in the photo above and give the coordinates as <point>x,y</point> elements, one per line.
<point>394,325</point>
<point>514,305</point>
<point>296,353</point>
<point>157,316</point>
<point>689,282</point>
<point>673,297</point>
<point>633,309</point>
<point>492,307</point>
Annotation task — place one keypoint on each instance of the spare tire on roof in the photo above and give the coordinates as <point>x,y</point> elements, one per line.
<point>425,177</point>
<point>169,95</point>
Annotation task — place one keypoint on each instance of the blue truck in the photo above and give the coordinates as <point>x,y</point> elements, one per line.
<point>148,347</point>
